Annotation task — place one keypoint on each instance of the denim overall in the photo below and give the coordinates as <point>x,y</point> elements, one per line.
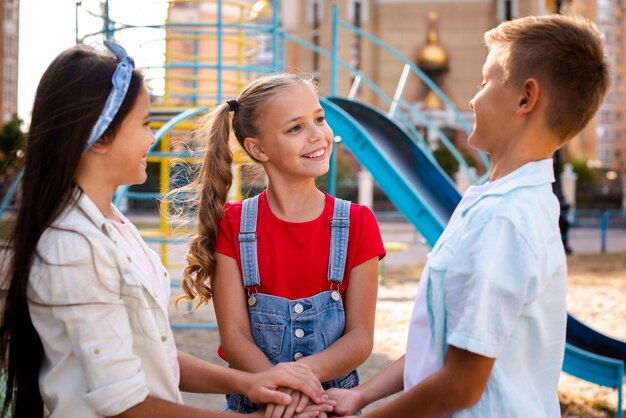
<point>287,330</point>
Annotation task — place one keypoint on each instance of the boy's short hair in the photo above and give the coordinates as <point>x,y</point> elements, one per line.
<point>566,55</point>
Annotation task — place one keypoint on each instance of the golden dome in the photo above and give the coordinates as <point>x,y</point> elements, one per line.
<point>432,56</point>
<point>432,101</point>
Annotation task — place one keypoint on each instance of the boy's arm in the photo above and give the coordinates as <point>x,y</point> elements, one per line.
<point>457,386</point>
<point>384,383</point>
<point>355,345</point>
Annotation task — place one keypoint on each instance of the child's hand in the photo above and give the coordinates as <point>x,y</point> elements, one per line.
<point>263,387</point>
<point>300,407</point>
<point>347,401</point>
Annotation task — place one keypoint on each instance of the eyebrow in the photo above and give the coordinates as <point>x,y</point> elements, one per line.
<point>294,119</point>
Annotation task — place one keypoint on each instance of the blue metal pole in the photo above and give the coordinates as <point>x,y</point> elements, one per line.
<point>196,52</point>
<point>275,57</point>
<point>334,58</point>
<point>604,221</point>
<point>108,33</point>
<point>219,51</point>
<point>10,193</point>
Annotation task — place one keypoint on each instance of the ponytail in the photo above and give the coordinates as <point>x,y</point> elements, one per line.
<point>212,184</point>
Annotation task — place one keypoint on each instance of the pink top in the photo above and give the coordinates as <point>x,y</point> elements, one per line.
<point>148,270</point>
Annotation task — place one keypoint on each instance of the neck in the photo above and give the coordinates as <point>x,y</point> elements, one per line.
<point>296,202</point>
<point>97,190</point>
<point>527,149</point>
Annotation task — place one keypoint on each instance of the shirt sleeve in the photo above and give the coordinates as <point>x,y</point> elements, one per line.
<point>487,285</point>
<point>228,230</point>
<point>79,283</point>
<point>368,241</point>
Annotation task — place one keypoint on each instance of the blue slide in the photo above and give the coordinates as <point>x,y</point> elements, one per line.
<point>424,194</point>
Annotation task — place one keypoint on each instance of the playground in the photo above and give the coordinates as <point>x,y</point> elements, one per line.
<point>207,61</point>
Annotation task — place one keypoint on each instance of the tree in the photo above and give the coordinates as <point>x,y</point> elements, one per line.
<point>11,147</point>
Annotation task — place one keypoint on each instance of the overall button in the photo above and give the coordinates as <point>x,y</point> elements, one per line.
<point>299,333</point>
<point>298,308</point>
<point>163,338</point>
<point>298,356</point>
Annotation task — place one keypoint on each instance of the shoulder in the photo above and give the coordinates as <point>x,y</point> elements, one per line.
<point>530,212</point>
<point>232,211</point>
<point>361,213</point>
<point>357,212</point>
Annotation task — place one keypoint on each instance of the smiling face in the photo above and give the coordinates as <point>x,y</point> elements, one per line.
<point>494,107</point>
<point>295,142</point>
<point>127,153</point>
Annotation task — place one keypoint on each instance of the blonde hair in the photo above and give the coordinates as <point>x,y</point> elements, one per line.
<point>215,176</point>
<point>566,55</point>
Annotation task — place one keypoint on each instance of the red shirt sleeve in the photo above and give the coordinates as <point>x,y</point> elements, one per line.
<point>228,230</point>
<point>365,241</point>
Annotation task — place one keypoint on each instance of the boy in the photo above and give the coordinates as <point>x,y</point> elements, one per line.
<point>487,334</point>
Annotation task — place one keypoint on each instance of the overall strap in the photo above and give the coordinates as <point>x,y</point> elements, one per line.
<point>339,231</point>
<point>248,242</point>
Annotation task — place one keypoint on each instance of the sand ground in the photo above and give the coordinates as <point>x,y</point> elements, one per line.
<point>596,290</point>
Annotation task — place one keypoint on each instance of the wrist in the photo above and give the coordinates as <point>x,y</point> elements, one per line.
<point>362,397</point>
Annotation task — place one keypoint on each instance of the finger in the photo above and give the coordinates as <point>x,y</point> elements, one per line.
<point>340,411</point>
<point>308,414</point>
<point>269,410</point>
<point>291,408</point>
<point>280,409</point>
<point>272,396</point>
<point>302,403</point>
<point>304,383</point>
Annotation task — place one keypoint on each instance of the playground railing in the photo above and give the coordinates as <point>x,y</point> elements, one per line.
<point>602,221</point>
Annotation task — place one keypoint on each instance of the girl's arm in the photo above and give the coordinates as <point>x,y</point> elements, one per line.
<point>200,376</point>
<point>229,299</point>
<point>356,344</point>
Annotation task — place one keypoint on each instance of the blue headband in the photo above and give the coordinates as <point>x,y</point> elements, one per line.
<point>121,81</point>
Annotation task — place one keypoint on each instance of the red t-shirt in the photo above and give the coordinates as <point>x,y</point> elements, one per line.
<point>293,257</point>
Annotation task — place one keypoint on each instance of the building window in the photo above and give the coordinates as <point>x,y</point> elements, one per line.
<point>358,10</point>
<point>314,11</point>
<point>507,9</point>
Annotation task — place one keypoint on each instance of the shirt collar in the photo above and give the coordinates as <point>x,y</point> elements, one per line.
<point>535,173</point>
<point>89,208</point>
<point>530,174</point>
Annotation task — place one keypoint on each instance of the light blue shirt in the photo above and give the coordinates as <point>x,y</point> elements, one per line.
<point>495,285</point>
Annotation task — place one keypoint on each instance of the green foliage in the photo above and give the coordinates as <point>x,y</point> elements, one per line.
<point>585,174</point>
<point>448,163</point>
<point>11,146</point>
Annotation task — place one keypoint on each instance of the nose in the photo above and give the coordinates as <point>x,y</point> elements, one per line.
<point>316,134</point>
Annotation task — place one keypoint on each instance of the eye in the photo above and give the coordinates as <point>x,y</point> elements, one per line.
<point>320,119</point>
<point>481,85</point>
<point>294,129</point>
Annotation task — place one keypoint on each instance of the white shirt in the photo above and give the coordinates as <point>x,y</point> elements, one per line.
<point>106,338</point>
<point>495,285</point>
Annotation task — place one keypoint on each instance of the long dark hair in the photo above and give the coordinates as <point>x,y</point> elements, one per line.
<point>69,99</point>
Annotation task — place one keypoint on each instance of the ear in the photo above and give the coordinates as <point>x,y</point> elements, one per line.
<point>99,148</point>
<point>255,149</point>
<point>529,96</point>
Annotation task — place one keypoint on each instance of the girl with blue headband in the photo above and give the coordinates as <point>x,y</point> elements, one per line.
<point>85,329</point>
<point>293,271</point>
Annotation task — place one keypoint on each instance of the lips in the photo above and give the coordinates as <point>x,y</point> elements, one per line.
<point>315,154</point>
